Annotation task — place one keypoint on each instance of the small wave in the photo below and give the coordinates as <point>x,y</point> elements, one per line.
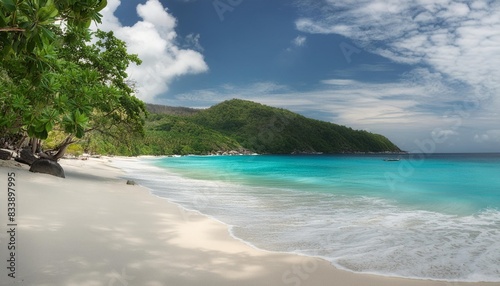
<point>355,233</point>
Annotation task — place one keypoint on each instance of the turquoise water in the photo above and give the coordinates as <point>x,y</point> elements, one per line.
<point>429,217</point>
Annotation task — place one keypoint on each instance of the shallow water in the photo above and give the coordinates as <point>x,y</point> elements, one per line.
<point>435,216</point>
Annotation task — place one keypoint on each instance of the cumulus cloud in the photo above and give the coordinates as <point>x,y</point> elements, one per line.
<point>156,42</point>
<point>456,38</point>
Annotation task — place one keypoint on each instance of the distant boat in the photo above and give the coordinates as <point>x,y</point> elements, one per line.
<point>391,159</point>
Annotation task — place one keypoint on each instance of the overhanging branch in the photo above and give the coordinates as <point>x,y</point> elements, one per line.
<point>12,29</point>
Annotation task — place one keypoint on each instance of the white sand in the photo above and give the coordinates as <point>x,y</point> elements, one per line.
<point>92,229</point>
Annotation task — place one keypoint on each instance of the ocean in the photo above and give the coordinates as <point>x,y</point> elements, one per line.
<point>420,216</point>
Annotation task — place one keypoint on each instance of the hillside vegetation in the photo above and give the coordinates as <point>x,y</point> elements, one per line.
<point>266,129</point>
<point>171,110</point>
<point>244,126</point>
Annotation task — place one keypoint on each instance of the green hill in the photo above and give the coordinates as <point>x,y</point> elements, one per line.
<point>169,134</point>
<point>243,126</point>
<point>265,129</point>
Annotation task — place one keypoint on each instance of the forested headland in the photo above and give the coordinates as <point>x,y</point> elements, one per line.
<point>241,126</point>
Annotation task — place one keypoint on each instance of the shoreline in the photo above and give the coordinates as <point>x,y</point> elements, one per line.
<point>93,228</point>
<point>336,266</point>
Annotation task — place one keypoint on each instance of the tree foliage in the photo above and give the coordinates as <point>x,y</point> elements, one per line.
<point>167,135</point>
<point>53,77</point>
<point>27,30</point>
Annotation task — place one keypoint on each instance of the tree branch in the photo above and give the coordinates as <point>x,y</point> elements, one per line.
<point>61,150</point>
<point>12,29</point>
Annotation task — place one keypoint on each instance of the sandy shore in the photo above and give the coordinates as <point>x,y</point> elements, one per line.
<point>93,229</point>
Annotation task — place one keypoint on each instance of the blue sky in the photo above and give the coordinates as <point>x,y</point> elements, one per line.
<point>424,73</point>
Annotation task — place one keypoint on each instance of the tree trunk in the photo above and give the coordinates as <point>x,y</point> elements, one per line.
<point>34,145</point>
<point>20,143</point>
<point>61,150</point>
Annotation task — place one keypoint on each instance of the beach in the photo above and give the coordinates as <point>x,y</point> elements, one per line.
<point>91,228</point>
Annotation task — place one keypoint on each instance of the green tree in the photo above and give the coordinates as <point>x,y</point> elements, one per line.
<point>52,79</point>
<point>92,91</point>
<point>27,30</point>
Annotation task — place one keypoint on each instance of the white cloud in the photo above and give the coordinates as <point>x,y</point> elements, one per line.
<point>458,39</point>
<point>266,88</point>
<point>348,102</point>
<point>481,138</point>
<point>339,81</point>
<point>454,46</point>
<point>441,135</point>
<point>155,41</point>
<point>299,41</point>
<point>193,41</point>
<point>415,108</point>
<point>435,83</point>
<point>208,97</point>
<point>488,136</point>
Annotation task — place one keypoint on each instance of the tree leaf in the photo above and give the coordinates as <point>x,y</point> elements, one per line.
<point>43,135</point>
<point>39,127</point>
<point>9,5</point>
<point>80,132</point>
<point>80,119</point>
<point>47,14</point>
<point>101,5</point>
<point>49,126</point>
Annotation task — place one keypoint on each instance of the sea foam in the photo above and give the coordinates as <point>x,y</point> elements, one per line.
<point>356,233</point>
